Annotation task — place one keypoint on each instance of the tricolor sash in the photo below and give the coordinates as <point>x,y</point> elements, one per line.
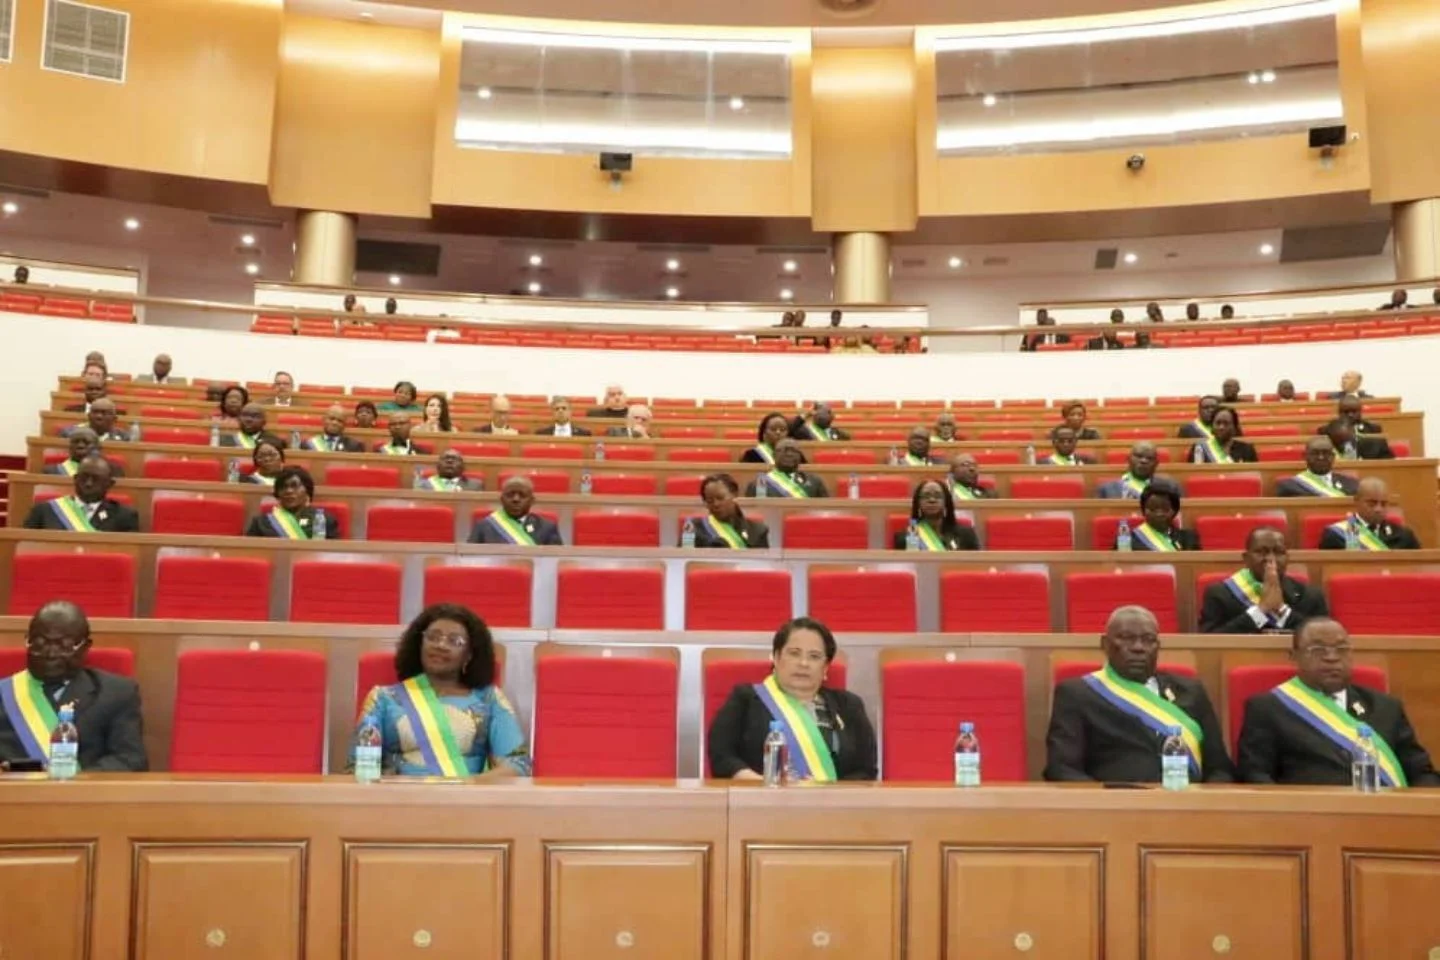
<point>69,467</point>
<point>767,452</point>
<point>1247,590</point>
<point>815,433</point>
<point>325,442</point>
<point>72,514</point>
<point>725,533</point>
<point>929,539</point>
<point>29,712</point>
<point>1317,485</point>
<point>1154,711</point>
<point>1204,430</point>
<point>1132,484</point>
<point>243,439</point>
<point>287,524</point>
<point>809,754</point>
<point>1212,452</point>
<point>961,492</point>
<point>1154,539</point>
<point>914,461</point>
<point>437,482</point>
<point>430,727</point>
<point>1324,715</point>
<point>1368,539</point>
<point>397,451</point>
<point>511,529</point>
<point>1056,460</point>
<point>784,484</point>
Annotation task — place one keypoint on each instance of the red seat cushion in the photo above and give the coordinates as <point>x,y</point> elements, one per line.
<point>609,598</point>
<point>868,601</point>
<point>330,591</point>
<point>622,484</point>
<point>1225,485</point>
<point>826,531</point>
<point>544,481</point>
<point>179,468</point>
<point>1230,532</point>
<point>378,478</point>
<point>923,703</point>
<point>736,598</point>
<point>842,456</point>
<point>1386,603</point>
<point>616,528</point>
<point>1090,598</point>
<point>103,584</point>
<point>700,455</point>
<point>998,601</point>
<point>1043,531</point>
<point>879,487</point>
<point>1047,488</point>
<point>198,516</point>
<point>414,523</point>
<point>499,593</point>
<point>605,717</point>
<point>212,588</point>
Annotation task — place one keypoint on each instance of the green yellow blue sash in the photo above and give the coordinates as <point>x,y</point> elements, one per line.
<point>767,452</point>
<point>784,484</point>
<point>1212,452</point>
<point>430,727</point>
<point>287,524</point>
<point>327,443</point>
<point>961,492</point>
<point>395,450</point>
<point>815,432</point>
<point>243,439</point>
<point>1318,485</point>
<point>809,754</point>
<point>1056,460</point>
<point>914,461</point>
<point>437,482</point>
<point>1154,539</point>
<point>68,467</point>
<point>1367,538</point>
<point>929,539</point>
<point>510,529</point>
<point>1132,485</point>
<point>1324,715</point>
<point>29,712</point>
<point>1155,712</point>
<point>726,534</point>
<point>1204,430</point>
<point>72,514</point>
<point>1247,590</point>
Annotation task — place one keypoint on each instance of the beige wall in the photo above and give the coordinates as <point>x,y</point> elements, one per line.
<point>1402,79</point>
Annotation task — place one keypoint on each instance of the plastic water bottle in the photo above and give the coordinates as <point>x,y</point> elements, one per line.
<point>214,434</point>
<point>64,745</point>
<point>1029,454</point>
<point>894,456</point>
<point>134,431</point>
<point>1174,762</point>
<point>777,755</point>
<point>1196,454</point>
<point>1364,768</point>
<point>912,536</point>
<point>367,751</point>
<point>321,527</point>
<point>687,535</point>
<point>1352,534</point>
<point>585,484</point>
<point>419,477</point>
<point>761,487</point>
<point>1350,451</point>
<point>854,486</point>
<point>599,449</point>
<point>1122,537</point>
<point>967,757</point>
<point>294,439</point>
<point>232,471</point>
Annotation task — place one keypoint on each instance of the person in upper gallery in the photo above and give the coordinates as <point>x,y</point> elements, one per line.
<point>1227,312</point>
<point>268,460</point>
<point>403,400</point>
<point>774,427</point>
<point>513,524</point>
<point>1367,525</point>
<point>1143,341</point>
<point>95,359</point>
<point>638,424</point>
<point>160,372</point>
<point>1109,725</point>
<point>1109,340</point>
<point>392,306</point>
<point>367,415</point>
<point>561,424</point>
<point>818,423</point>
<point>946,430</point>
<point>932,515</point>
<point>1117,316</point>
<point>252,429</point>
<point>1074,414</point>
<point>616,405</point>
<point>1062,439</point>
<point>1160,503</point>
<point>1319,478</point>
<point>295,516</point>
<point>437,416</point>
<point>1230,391</point>
<point>83,442</point>
<point>1143,460</point>
<point>725,526</point>
<point>1285,391</point>
<point>1399,300</point>
<point>965,479</point>
<point>446,716</point>
<point>828,734</point>
<point>1304,731</point>
<point>1223,445</point>
<point>400,444</point>
<point>21,275</point>
<point>1352,408</point>
<point>917,449</point>
<point>499,424</point>
<point>1348,446</point>
<point>1042,319</point>
<point>283,389</point>
<point>88,509</point>
<point>1153,313</point>
<point>449,475</point>
<point>351,305</point>
<point>333,439</point>
<point>1350,383</point>
<point>100,419</point>
<point>233,399</point>
<point>1199,428</point>
<point>1260,598</point>
<point>1192,312</point>
<point>785,478</point>
<point>106,705</point>
<point>95,388</point>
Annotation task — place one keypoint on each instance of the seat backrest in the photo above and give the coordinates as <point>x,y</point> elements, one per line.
<point>877,487</point>
<point>1103,528</point>
<point>498,593</point>
<point>629,453</point>
<point>212,588</point>
<point>103,584</point>
<point>734,598</point>
<point>998,601</point>
<point>616,528</point>
<point>1090,598</point>
<point>1249,680</point>
<point>482,451</point>
<point>1397,604</point>
<point>410,524</point>
<point>1225,485</point>
<point>249,711</point>
<point>1047,488</point>
<point>327,591</point>
<point>177,468</point>
<point>623,484</point>
<point>1047,531</point>
<point>1226,532</point>
<point>841,456</point>
<point>605,716</point>
<point>1312,527</point>
<point>553,451</point>
<point>609,598</point>
<point>544,481</point>
<point>698,454</point>
<point>923,703</point>
<point>180,435</point>
<point>683,485</point>
<point>826,531</point>
<point>201,516</point>
<point>376,669</point>
<point>374,478</point>
<point>867,601</point>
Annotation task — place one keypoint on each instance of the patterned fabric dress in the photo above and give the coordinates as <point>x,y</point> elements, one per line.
<point>482,722</point>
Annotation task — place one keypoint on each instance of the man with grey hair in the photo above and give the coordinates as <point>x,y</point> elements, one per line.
<point>637,424</point>
<point>1144,458</point>
<point>513,524</point>
<point>1109,724</point>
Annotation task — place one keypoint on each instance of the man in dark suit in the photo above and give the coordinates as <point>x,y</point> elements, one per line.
<point>818,424</point>
<point>965,479</point>
<point>101,419</point>
<point>107,706</point>
<point>1349,446</point>
<point>252,430</point>
<point>499,424</point>
<point>1260,598</point>
<point>917,449</point>
<point>1109,340</point>
<point>450,475</point>
<point>400,445</point>
<point>333,440</point>
<point>160,373</point>
<point>787,481</point>
<point>1353,409</point>
<point>1319,478</point>
<point>638,420</point>
<point>1096,735</point>
<point>1063,441</point>
<point>88,510</point>
<point>616,404</point>
<point>1199,428</point>
<point>83,442</point>
<point>95,389</point>
<point>1367,524</point>
<point>1283,738</point>
<point>1043,319</point>
<point>1144,459</point>
<point>561,424</point>
<point>514,524</point>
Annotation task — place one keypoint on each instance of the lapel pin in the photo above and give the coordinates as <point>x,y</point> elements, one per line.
<point>1170,694</point>
<point>1358,708</point>
<point>102,515</point>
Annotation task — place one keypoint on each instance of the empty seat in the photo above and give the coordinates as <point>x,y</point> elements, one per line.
<point>376,669</point>
<point>615,528</point>
<point>1244,682</point>
<point>181,468</point>
<point>376,478</point>
<point>1254,429</point>
<point>1104,527</point>
<point>499,593</point>
<point>178,435</point>
<point>924,701</point>
<point>629,453</point>
<point>553,451</point>
<point>330,591</point>
<point>103,584</point>
<point>869,601</point>
<point>698,454</point>
<point>1039,531</point>
<point>1090,598</point>
<point>609,598</point>
<point>198,516</point>
<point>1047,488</point>
<point>482,451</point>
<point>994,601</point>
<point>212,588</point>
<point>1281,454</point>
<point>544,481</point>
<point>683,485</point>
<point>1312,528</point>
<point>248,711</point>
<point>1396,604</point>
<point>736,598</point>
<point>842,456</point>
<point>622,484</point>
<point>410,524</point>
<point>1225,485</point>
<point>878,487</point>
<point>1231,532</point>
<point>826,531</point>
<point>599,716</point>
<point>993,435</point>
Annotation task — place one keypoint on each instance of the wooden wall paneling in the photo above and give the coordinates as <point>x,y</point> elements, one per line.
<point>448,900</point>
<point>999,900</point>
<point>1403,119</point>
<point>47,891</point>
<point>1200,902</point>
<point>1390,905</point>
<point>794,906</point>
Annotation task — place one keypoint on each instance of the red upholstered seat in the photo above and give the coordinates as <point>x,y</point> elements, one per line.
<point>609,598</point>
<point>376,669</point>
<point>1401,448</point>
<point>119,660</point>
<point>499,593</point>
<point>599,716</point>
<point>544,481</point>
<point>1104,527</point>
<point>700,455</point>
<point>1044,531</point>
<point>629,453</point>
<point>622,484</point>
<point>1395,604</point>
<point>328,591</point>
<point>1138,433</point>
<point>683,485</point>
<point>878,487</point>
<point>923,703</point>
<point>212,588</point>
<point>1070,669</point>
<point>1048,488</point>
<point>868,601</point>
<point>843,455</point>
<point>1244,682</point>
<point>181,468</point>
<point>993,435</point>
<point>200,516</point>
<point>1225,485</point>
<point>616,528</point>
<point>736,598</point>
<point>180,435</point>
<point>1090,598</point>
<point>1253,429</point>
<point>1312,527</point>
<point>1230,532</point>
<point>990,458</point>
<point>994,601</point>
<point>103,584</point>
<point>410,524</point>
<point>249,711</point>
<point>826,531</point>
<point>376,478</point>
<point>553,451</point>
<point>482,451</point>
<point>1281,454</point>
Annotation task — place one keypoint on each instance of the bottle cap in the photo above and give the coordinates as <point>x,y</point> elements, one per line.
<point>1364,730</point>
<point>776,725</point>
<point>967,727</point>
<point>1174,731</point>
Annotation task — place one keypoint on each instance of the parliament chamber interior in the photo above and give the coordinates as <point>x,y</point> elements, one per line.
<point>500,480</point>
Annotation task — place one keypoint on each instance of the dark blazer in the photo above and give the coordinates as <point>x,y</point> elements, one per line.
<point>1100,343</point>
<point>962,537</point>
<point>1115,490</point>
<point>112,517</point>
<point>1031,341</point>
<point>1368,426</point>
<point>1290,487</point>
<point>1240,452</point>
<point>227,439</point>
<point>256,479</point>
<point>549,431</point>
<point>1373,448</point>
<point>980,492</point>
<point>107,717</point>
<point>751,455</point>
<point>1190,431</point>
<point>625,432</point>
<point>260,525</point>
<point>1392,535</point>
<point>1091,740</point>
<point>53,469</point>
<point>798,431</point>
<point>1337,395</point>
<point>603,412</point>
<point>755,534</point>
<point>1183,540</point>
<point>736,739</point>
<point>416,450</point>
<point>814,486</point>
<point>1276,746</point>
<point>1221,612</point>
<point>347,444</point>
<point>114,436</point>
<point>542,531</point>
<point>490,428</point>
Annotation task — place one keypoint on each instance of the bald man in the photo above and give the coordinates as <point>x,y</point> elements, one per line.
<point>499,418</point>
<point>1108,725</point>
<point>965,479</point>
<point>252,430</point>
<point>1350,382</point>
<point>616,404</point>
<point>1366,526</point>
<point>638,420</point>
<point>101,420</point>
<point>333,439</point>
<point>83,442</point>
<point>88,509</point>
<point>1319,478</point>
<point>513,524</point>
<point>1143,460</point>
<point>160,372</point>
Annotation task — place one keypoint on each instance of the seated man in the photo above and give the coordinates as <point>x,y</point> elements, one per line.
<point>22,276</point>
<point>83,442</point>
<point>400,445</point>
<point>561,424</point>
<point>1062,439</point>
<point>252,429</point>
<point>1285,391</point>
<point>1230,392</point>
<point>106,705</point>
<point>616,405</point>
<point>785,478</point>
<point>450,475</point>
<point>283,389</point>
<point>499,418</point>
<point>965,478</point>
<point>1144,459</point>
<point>1353,409</point>
<point>1074,414</point>
<point>1303,731</point>
<point>917,449</point>
<point>1109,340</point>
<point>946,430</point>
<point>101,420</point>
<point>1399,300</point>
<point>160,372</point>
<point>88,509</point>
<point>95,389</point>
<point>1109,725</point>
<point>1350,382</point>
<point>1349,446</point>
<point>1319,478</point>
<point>1260,598</point>
<point>818,424</point>
<point>1367,526</point>
<point>513,523</point>
<point>1199,428</point>
<point>333,440</point>
<point>1192,312</point>
<point>637,424</point>
<point>1031,341</point>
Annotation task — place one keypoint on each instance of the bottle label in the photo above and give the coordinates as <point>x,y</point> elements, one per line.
<point>967,769</point>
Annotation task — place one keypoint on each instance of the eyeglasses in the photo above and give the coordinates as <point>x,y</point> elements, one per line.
<point>454,641</point>
<point>797,655</point>
<point>65,647</point>
<point>1321,651</point>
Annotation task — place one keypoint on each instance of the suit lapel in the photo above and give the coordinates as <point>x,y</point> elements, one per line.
<point>82,691</point>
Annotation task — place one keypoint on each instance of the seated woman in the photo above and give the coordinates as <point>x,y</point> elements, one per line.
<point>404,401</point>
<point>446,717</point>
<point>437,416</point>
<point>829,736</point>
<point>1222,446</point>
<point>294,517</point>
<point>725,527</point>
<point>932,514</point>
<point>366,414</point>
<point>774,428</point>
<point>233,399</point>
<point>269,459</point>
<point>1160,502</point>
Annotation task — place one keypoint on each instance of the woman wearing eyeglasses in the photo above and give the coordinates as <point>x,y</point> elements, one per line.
<point>828,734</point>
<point>446,717</point>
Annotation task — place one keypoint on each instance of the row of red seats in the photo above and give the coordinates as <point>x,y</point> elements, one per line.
<point>1274,332</point>
<point>633,598</point>
<point>15,302</point>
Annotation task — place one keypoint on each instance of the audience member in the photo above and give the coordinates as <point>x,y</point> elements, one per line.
<point>101,419</point>
<point>83,442</point>
<point>1143,341</point>
<point>160,372</point>
<point>1062,440</point>
<point>252,429</point>
<point>965,478</point>
<point>1350,383</point>
<point>1367,526</point>
<point>295,516</point>
<point>95,388</point>
<point>513,523</point>
<point>1199,428</point>
<point>499,424</point>
<point>333,439</point>
<point>89,508</point>
<point>917,449</point>
<point>1260,598</point>
<point>233,399</point>
<point>1223,445</point>
<point>403,401</point>
<point>1143,460</point>
<point>22,275</point>
<point>352,305</point>
<point>1160,503</point>
<point>561,424</point>
<point>1435,295</point>
<point>817,424</point>
<point>1399,300</point>
<point>1319,478</point>
<point>392,306</point>
<point>437,416</point>
<point>1352,408</point>
<point>400,444</point>
<point>1230,391</point>
<point>268,459</point>
<point>366,415</point>
<point>283,389</point>
<point>616,405</point>
<point>946,430</point>
<point>1350,447</point>
<point>932,517</point>
<point>1117,316</point>
<point>725,526</point>
<point>1227,312</point>
<point>1074,414</point>
<point>1153,312</point>
<point>1109,340</point>
<point>785,478</point>
<point>1285,391</point>
<point>637,424</point>
<point>774,427</point>
<point>1192,311</point>
<point>449,475</point>
<point>95,359</point>
<point>1043,319</point>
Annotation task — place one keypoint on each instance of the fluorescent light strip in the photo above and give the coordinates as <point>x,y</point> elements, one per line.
<point>487,132</point>
<point>589,41</point>
<point>1154,125</point>
<point>1140,31</point>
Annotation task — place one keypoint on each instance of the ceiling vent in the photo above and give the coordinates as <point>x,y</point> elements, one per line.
<point>385,256</point>
<point>86,41</point>
<point>1337,242</point>
<point>1106,258</point>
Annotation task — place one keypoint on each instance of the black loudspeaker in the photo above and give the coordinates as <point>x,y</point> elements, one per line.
<point>622,162</point>
<point>1327,136</point>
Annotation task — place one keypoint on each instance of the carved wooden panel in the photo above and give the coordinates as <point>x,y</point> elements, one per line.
<point>1242,906</point>
<point>1023,902</point>
<point>444,902</point>
<point>627,903</point>
<point>827,903</point>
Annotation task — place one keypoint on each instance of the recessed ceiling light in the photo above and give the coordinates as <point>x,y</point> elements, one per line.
<point>248,240</point>
<point>252,268</point>
<point>787,294</point>
<point>956,263</point>
<point>1266,249</point>
<point>737,103</point>
<point>672,292</point>
<point>536,260</point>
<point>132,224</point>
<point>1267,76</point>
<point>10,207</point>
<point>1131,258</point>
<point>672,264</point>
<point>394,279</point>
<point>1253,78</point>
<point>534,287</point>
<point>484,93</point>
<point>790,266</point>
<point>989,100</point>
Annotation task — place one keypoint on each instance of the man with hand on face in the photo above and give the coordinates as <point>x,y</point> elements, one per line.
<point>333,440</point>
<point>1109,725</point>
<point>1303,732</point>
<point>1260,598</point>
<point>1367,523</point>
<point>1319,478</point>
<point>638,424</point>
<point>1349,446</point>
<point>106,705</point>
<point>513,524</point>
<point>450,475</point>
<point>83,442</point>
<point>399,445</point>
<point>965,478</point>
<point>1350,382</point>
<point>616,404</point>
<point>818,424</point>
<point>1144,459</point>
<point>1199,428</point>
<point>252,430</point>
<point>88,509</point>
<point>917,449</point>
<point>785,478</point>
<point>1353,409</point>
<point>561,425</point>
